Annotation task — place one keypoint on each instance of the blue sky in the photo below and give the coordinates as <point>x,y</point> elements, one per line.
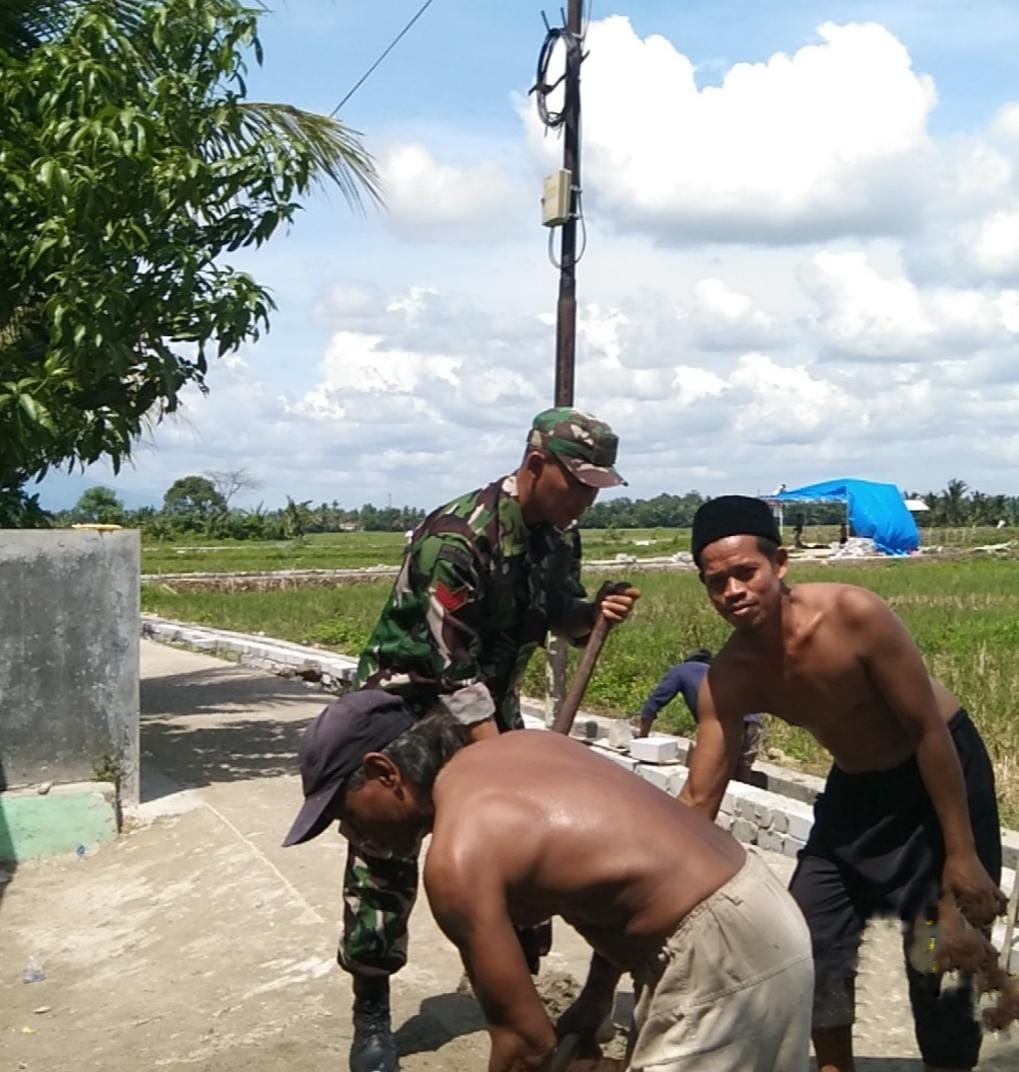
<point>803,258</point>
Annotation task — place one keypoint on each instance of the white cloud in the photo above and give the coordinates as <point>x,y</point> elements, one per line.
<point>724,319</point>
<point>827,140</point>
<point>362,364</point>
<point>346,301</point>
<point>868,315</point>
<point>976,174</point>
<point>447,202</point>
<point>1005,123</point>
<point>693,385</point>
<point>652,331</point>
<point>995,250</point>
<point>386,419</point>
<point>786,404</point>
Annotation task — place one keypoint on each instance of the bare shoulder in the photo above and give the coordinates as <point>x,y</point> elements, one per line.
<point>478,829</point>
<point>457,853</point>
<point>851,604</point>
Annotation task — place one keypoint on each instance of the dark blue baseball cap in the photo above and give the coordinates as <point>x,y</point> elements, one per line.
<point>333,747</point>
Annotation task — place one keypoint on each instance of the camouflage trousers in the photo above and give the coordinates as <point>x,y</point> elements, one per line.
<point>378,896</point>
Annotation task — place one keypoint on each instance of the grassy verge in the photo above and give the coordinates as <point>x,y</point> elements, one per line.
<point>963,614</point>
<point>340,619</point>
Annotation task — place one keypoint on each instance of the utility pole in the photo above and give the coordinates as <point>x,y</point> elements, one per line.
<point>561,207</point>
<point>566,310</point>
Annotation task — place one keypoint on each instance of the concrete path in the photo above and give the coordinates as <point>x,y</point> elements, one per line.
<point>196,942</point>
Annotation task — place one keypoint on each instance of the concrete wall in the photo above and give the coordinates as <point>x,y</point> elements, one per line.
<point>69,605</point>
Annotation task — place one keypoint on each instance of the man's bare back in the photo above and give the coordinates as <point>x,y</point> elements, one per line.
<point>531,825</point>
<point>534,825</point>
<point>822,681</point>
<point>556,829</point>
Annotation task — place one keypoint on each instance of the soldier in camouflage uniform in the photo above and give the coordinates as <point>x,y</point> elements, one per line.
<point>484,579</point>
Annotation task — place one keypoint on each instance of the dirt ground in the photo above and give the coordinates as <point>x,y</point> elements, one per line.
<point>195,942</point>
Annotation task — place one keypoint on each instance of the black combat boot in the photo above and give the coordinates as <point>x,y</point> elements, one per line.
<point>373,1048</point>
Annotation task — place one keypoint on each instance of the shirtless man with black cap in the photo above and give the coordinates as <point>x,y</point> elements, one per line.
<point>529,825</point>
<point>908,816</point>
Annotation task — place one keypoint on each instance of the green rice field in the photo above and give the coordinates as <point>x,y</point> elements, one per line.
<point>355,550</point>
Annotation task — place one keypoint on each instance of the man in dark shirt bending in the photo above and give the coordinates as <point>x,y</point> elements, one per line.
<point>685,678</point>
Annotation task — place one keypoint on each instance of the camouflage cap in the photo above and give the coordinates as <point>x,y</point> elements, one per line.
<point>585,445</point>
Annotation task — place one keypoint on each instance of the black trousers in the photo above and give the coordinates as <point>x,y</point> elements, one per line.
<point>876,849</point>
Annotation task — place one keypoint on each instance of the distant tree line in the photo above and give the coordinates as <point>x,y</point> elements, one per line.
<point>201,505</point>
<point>661,512</point>
<point>959,506</point>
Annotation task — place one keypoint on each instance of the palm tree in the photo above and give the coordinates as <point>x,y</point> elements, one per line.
<point>336,151</point>
<point>954,500</point>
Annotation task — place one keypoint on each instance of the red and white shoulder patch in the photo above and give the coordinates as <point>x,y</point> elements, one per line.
<point>450,599</point>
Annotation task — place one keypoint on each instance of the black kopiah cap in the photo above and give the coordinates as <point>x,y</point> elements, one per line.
<point>732,515</point>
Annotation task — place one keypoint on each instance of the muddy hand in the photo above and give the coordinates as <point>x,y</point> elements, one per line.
<point>979,899</point>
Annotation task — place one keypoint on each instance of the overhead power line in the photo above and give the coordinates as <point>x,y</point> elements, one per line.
<point>392,44</point>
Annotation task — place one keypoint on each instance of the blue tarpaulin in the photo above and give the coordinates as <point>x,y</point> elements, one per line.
<point>877,511</point>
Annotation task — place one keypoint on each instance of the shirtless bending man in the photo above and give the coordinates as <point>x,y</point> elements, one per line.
<point>908,814</point>
<point>530,825</point>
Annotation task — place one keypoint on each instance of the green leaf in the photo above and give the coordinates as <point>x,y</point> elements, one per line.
<point>45,243</point>
<point>36,412</point>
<point>46,170</point>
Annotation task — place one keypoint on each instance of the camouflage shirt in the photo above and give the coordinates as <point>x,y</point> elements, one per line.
<point>477,592</point>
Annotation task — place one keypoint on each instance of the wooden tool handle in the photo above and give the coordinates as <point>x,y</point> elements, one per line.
<point>595,642</point>
<point>562,1055</point>
<point>571,701</point>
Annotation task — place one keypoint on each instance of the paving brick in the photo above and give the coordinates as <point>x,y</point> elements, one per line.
<point>620,734</point>
<point>587,729</point>
<point>654,749</point>
<point>791,845</point>
<point>745,831</point>
<point>800,825</point>
<point>770,840</point>
<point>663,777</point>
<point>750,793</point>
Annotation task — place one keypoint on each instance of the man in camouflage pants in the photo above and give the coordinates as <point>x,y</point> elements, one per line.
<point>484,578</point>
